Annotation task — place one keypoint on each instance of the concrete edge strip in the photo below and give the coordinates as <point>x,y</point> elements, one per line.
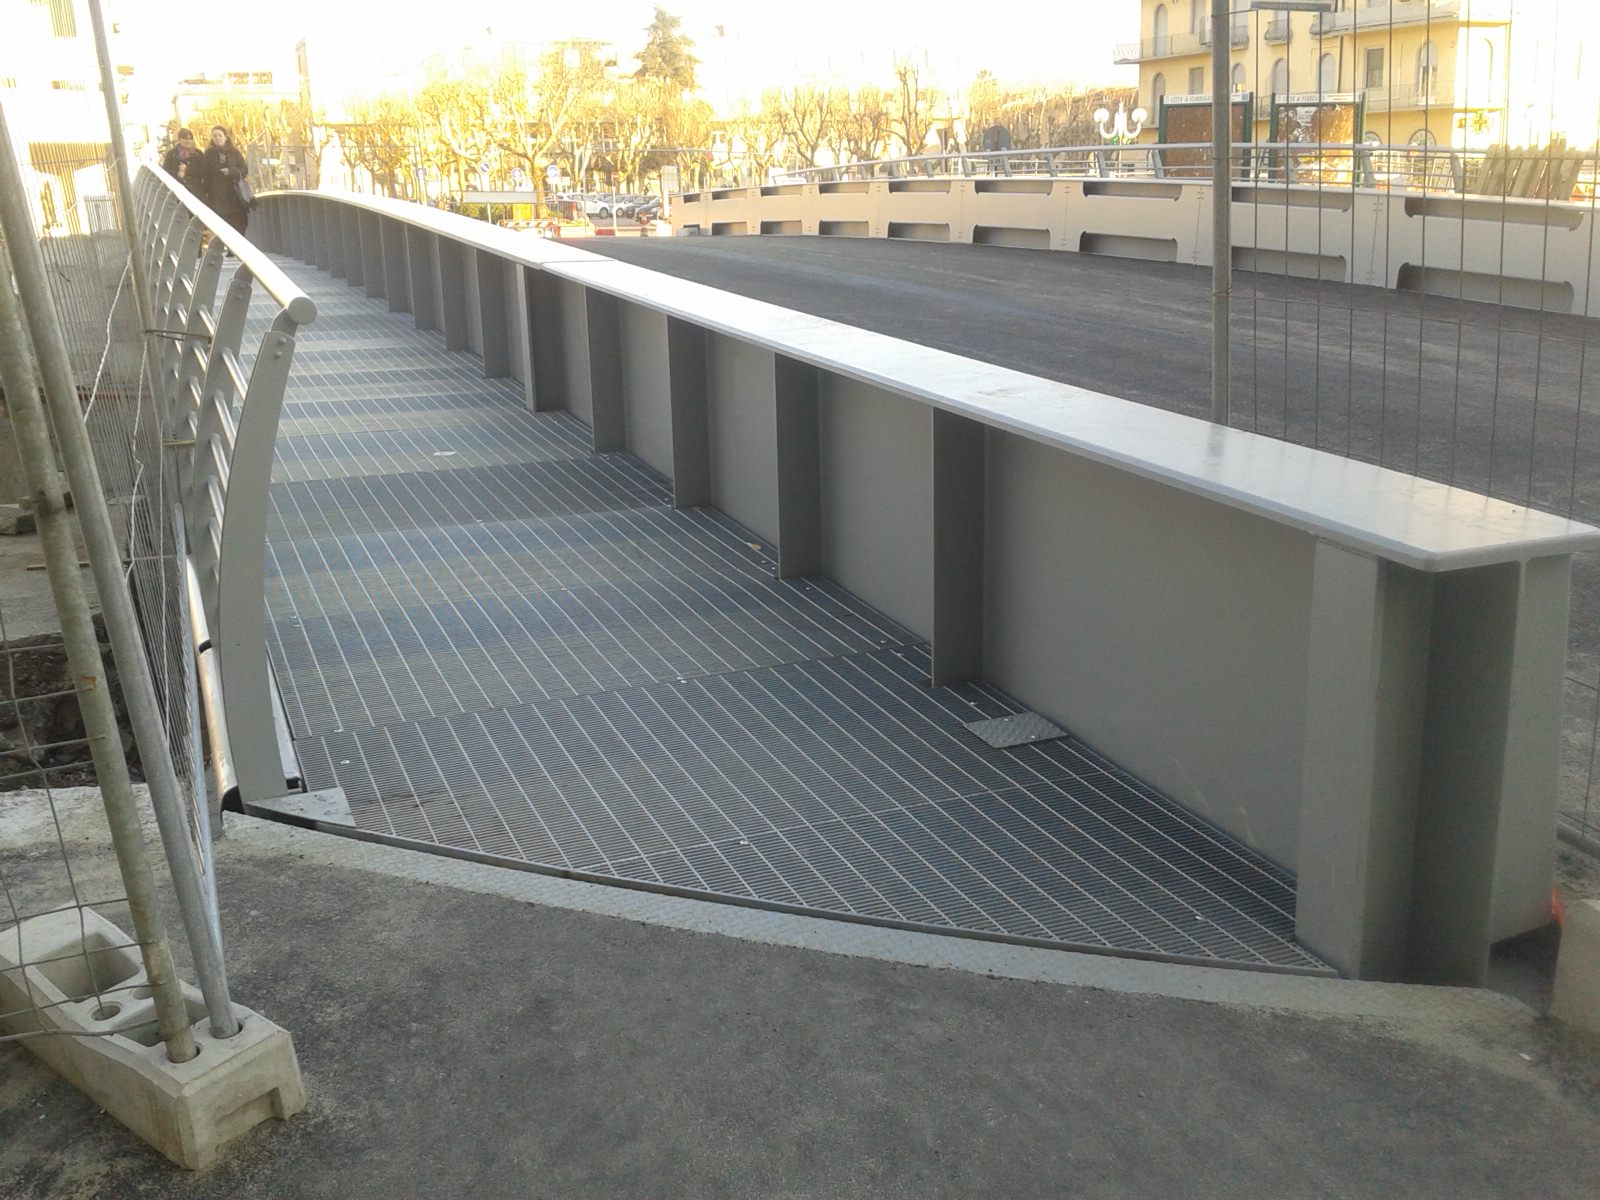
<point>1259,990</point>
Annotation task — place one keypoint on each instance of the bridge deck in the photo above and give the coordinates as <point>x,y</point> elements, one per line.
<point>499,643</point>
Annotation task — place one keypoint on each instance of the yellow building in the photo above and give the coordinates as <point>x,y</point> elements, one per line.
<point>1465,73</point>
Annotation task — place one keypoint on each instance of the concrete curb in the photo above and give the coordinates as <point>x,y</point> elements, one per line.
<point>1260,990</point>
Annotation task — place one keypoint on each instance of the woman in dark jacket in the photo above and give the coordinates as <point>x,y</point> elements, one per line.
<point>224,169</point>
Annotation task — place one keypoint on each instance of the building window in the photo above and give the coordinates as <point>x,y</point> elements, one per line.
<point>1427,70</point>
<point>1197,80</point>
<point>1423,138</point>
<point>1238,77</point>
<point>1328,74</point>
<point>1160,42</point>
<point>1194,15</point>
<point>1280,77</point>
<point>1158,92</point>
<point>1373,69</point>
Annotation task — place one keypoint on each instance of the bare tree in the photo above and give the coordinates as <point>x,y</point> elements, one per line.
<point>914,106</point>
<point>861,126</point>
<point>803,115</point>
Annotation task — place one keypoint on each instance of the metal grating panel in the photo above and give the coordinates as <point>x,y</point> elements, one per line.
<point>497,643</point>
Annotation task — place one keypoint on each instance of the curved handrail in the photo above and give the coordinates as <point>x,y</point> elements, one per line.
<point>222,423</point>
<point>289,295</point>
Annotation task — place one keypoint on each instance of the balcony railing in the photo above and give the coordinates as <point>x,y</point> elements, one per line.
<point>1172,45</point>
<point>1277,30</point>
<point>1439,93</point>
<point>1413,12</point>
<point>1238,35</point>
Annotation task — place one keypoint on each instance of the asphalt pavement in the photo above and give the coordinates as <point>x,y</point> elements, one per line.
<point>473,1032</point>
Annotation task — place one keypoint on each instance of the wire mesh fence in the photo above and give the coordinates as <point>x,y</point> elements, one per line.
<point>1475,362</point>
<point>1414,216</point>
<point>92,283</point>
<point>70,334</point>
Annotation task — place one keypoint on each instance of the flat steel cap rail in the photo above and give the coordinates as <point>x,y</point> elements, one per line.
<point>1415,522</point>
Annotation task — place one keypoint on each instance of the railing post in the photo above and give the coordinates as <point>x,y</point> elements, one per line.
<point>239,630</point>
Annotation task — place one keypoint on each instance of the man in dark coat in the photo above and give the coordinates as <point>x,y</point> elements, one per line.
<point>186,162</point>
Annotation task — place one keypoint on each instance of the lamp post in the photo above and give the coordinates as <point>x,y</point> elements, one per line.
<point>1121,127</point>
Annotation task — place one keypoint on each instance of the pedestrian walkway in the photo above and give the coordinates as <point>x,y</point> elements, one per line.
<point>503,646</point>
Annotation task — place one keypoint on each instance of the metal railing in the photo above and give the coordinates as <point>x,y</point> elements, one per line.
<point>580,332</point>
<point>1407,167</point>
<point>219,411</point>
<point>1168,45</point>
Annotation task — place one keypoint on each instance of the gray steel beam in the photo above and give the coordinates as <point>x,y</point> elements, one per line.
<point>1496,657</point>
<point>959,486</point>
<point>333,233</point>
<point>691,446</point>
<point>799,469</point>
<point>491,306</point>
<point>545,349</point>
<point>396,275</point>
<point>450,268</point>
<point>520,330</point>
<point>318,223</point>
<point>1365,696</point>
<point>603,324</point>
<point>371,240</point>
<point>422,279</point>
<point>354,262</point>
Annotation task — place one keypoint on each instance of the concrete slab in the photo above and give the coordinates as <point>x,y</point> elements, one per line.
<point>467,1030</point>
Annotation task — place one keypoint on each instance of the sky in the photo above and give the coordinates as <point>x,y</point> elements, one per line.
<point>761,46</point>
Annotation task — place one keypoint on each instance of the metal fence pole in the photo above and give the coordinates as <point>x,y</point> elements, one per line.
<point>105,558</point>
<point>1221,209</point>
<point>119,154</point>
<point>88,672</point>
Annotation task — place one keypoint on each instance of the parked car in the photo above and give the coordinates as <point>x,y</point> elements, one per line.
<point>601,206</point>
<point>650,210</point>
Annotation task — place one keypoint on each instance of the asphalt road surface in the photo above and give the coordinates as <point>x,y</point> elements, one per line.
<point>1494,399</point>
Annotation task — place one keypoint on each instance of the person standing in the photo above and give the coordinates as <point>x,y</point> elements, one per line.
<point>225,168</point>
<point>186,162</point>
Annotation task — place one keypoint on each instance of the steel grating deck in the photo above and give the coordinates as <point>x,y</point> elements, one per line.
<point>500,644</point>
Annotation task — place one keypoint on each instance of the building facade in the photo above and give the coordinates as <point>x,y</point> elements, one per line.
<point>50,88</point>
<point>1462,73</point>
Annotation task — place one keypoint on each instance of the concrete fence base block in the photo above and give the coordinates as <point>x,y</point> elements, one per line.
<point>87,977</point>
<point>1576,996</point>
<point>15,520</point>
